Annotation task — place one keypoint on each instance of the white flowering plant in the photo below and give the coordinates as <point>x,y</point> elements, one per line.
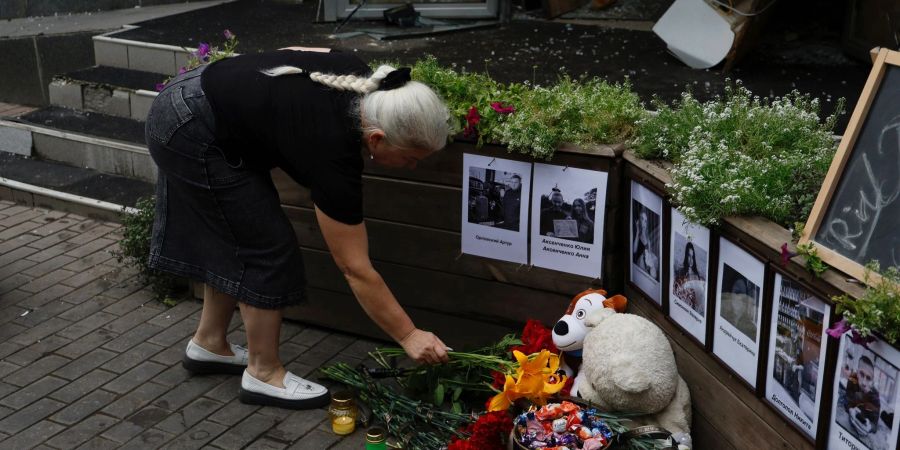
<point>740,154</point>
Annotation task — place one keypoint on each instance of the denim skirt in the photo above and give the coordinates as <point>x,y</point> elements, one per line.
<point>217,221</point>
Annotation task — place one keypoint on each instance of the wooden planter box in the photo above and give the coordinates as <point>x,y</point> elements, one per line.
<point>413,218</point>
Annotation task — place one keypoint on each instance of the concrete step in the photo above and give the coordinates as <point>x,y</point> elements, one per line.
<point>112,51</point>
<point>48,184</point>
<point>108,144</point>
<point>108,90</point>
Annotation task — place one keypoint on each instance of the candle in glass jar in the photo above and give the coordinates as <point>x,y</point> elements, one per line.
<point>343,425</point>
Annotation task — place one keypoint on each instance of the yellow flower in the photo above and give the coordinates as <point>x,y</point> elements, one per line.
<point>535,379</point>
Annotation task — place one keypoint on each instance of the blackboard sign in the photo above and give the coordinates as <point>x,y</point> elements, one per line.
<point>856,218</point>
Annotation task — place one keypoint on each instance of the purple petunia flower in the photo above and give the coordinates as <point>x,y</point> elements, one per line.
<point>859,339</point>
<point>182,70</point>
<point>202,51</point>
<point>160,87</point>
<point>838,329</point>
<point>786,255</point>
<point>229,35</point>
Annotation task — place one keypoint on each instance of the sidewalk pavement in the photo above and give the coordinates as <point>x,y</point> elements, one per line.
<point>89,360</point>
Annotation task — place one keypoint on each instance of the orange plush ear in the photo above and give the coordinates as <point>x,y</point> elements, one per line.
<point>616,302</point>
<point>571,307</point>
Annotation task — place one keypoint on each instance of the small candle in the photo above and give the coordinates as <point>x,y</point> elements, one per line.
<point>343,425</point>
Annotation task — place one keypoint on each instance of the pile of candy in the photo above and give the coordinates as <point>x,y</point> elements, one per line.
<point>562,426</point>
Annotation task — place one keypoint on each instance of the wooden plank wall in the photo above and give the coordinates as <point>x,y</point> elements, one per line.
<point>413,219</point>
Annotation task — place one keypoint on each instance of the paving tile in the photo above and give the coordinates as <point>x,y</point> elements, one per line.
<point>88,307</point>
<point>130,320</point>
<point>18,241</point>
<point>315,439</point>
<point>22,216</point>
<point>87,343</point>
<point>88,291</point>
<point>8,348</point>
<point>89,261</point>
<point>197,436</point>
<point>6,389</point>
<point>39,284</point>
<point>13,297</point>
<point>39,316</point>
<point>354,441</point>
<point>87,276</point>
<point>98,443</point>
<point>232,413</point>
<point>170,356</point>
<point>186,391</point>
<point>173,376</point>
<point>54,292</point>
<point>36,351</point>
<point>20,266</point>
<point>83,407</point>
<point>33,435</point>
<point>174,334</point>
<point>10,330</point>
<point>184,418</point>
<point>82,386</point>
<point>78,434</point>
<point>136,424</point>
<point>29,415</point>
<point>90,247</point>
<point>244,432</point>
<point>32,392</point>
<point>85,363</point>
<point>125,287</point>
<point>134,377</point>
<point>226,391</point>
<point>134,400</point>
<point>86,325</point>
<point>309,336</point>
<point>132,357</point>
<point>13,282</point>
<point>52,224</point>
<point>7,368</point>
<point>173,315</point>
<point>35,370</point>
<point>297,424</point>
<point>53,250</point>
<point>41,269</point>
<point>267,444</point>
<point>18,229</point>
<point>151,438</point>
<point>15,255</point>
<point>288,351</point>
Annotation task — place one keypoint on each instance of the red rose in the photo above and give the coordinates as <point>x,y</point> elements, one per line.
<point>536,337</point>
<point>472,119</point>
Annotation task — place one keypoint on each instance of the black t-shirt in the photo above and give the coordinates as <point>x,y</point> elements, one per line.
<point>305,128</point>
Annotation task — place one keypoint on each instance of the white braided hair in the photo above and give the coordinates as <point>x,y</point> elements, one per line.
<point>411,116</point>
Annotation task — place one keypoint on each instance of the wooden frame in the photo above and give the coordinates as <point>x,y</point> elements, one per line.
<point>664,226</point>
<point>884,59</point>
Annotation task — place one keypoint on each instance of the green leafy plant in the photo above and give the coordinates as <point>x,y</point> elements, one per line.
<point>878,310</point>
<point>740,154</point>
<point>814,262</point>
<point>135,252</point>
<point>530,119</point>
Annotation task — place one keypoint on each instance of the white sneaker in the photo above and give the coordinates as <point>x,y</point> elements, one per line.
<point>297,392</point>
<point>199,360</point>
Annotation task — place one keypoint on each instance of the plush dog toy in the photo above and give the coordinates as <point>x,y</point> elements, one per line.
<point>629,366</point>
<point>570,330</point>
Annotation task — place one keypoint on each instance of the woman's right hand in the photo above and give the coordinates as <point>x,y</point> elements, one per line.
<point>424,347</point>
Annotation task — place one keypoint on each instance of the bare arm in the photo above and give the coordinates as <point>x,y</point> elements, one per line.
<point>350,248</point>
<point>308,49</point>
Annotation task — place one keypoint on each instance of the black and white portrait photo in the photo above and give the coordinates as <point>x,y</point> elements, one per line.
<point>865,401</point>
<point>689,275</point>
<point>645,241</point>
<point>738,318</point>
<point>568,208</point>
<point>495,198</point>
<point>495,208</point>
<point>740,301</point>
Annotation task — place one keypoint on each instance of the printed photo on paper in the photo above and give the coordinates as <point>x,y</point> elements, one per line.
<point>568,209</point>
<point>738,310</point>
<point>495,208</point>
<point>689,275</point>
<point>865,397</point>
<point>797,353</point>
<point>646,241</point>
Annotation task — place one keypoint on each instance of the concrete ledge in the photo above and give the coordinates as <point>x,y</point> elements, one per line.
<point>15,140</point>
<point>112,54</point>
<point>31,195</point>
<point>141,101</point>
<point>113,102</point>
<point>66,94</point>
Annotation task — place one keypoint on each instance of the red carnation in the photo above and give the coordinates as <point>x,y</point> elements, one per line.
<point>500,109</point>
<point>536,337</point>
<point>489,432</point>
<point>472,119</point>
